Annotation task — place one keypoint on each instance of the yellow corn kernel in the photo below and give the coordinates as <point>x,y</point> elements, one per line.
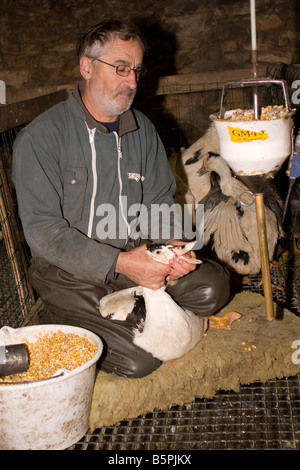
<point>268,113</point>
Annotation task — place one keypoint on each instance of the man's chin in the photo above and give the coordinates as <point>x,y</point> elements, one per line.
<point>126,107</point>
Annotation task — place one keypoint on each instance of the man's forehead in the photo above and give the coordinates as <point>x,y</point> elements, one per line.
<point>119,49</point>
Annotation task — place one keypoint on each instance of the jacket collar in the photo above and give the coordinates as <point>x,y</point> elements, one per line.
<point>127,120</point>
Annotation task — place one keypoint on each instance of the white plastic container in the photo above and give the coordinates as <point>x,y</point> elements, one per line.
<point>254,147</point>
<point>49,414</point>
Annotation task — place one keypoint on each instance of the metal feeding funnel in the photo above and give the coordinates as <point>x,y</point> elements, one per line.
<point>256,142</point>
<point>255,147</point>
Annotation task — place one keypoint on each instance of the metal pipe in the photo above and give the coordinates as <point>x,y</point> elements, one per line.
<point>254,58</point>
<point>255,103</point>
<point>14,359</point>
<point>253,25</point>
<point>264,254</point>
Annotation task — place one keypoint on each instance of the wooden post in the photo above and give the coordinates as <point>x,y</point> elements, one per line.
<point>264,254</point>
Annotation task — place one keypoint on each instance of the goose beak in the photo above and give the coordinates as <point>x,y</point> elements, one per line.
<point>182,249</point>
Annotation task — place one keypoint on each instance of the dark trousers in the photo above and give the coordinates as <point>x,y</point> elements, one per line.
<point>70,301</point>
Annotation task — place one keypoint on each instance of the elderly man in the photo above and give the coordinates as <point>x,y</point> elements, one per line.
<point>78,169</point>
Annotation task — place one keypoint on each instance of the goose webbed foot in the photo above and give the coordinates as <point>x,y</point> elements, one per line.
<point>223,323</point>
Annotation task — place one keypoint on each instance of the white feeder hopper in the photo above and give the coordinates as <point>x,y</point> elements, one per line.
<point>254,148</point>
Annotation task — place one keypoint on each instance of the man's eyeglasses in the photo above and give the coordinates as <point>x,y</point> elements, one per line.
<point>124,70</point>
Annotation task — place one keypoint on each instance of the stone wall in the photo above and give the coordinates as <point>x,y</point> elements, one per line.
<point>185,36</point>
<point>194,46</point>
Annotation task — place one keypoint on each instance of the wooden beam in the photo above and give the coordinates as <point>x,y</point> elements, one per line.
<point>192,82</point>
<point>16,114</point>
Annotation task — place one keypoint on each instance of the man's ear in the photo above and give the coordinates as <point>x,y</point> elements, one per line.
<point>85,67</point>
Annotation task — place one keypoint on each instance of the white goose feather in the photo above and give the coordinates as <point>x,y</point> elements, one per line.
<point>164,329</point>
<point>233,226</point>
<point>169,330</point>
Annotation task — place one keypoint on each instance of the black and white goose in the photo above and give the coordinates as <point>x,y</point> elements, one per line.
<point>230,220</point>
<point>160,326</point>
<point>230,225</point>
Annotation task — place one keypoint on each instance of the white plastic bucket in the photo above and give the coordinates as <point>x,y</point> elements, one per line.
<point>49,414</point>
<point>254,147</point>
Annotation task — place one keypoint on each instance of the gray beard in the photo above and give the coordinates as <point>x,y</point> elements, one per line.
<point>114,109</point>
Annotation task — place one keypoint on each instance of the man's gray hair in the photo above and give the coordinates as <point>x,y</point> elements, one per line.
<point>98,36</point>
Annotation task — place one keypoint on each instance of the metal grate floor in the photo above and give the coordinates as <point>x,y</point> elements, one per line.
<point>285,278</point>
<point>260,416</point>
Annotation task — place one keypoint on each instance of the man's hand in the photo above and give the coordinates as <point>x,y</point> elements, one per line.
<point>179,267</point>
<point>138,266</point>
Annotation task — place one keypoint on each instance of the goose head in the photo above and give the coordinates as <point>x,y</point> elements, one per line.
<point>230,186</point>
<point>164,252</point>
<point>214,162</point>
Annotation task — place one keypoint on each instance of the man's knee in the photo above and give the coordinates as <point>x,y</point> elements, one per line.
<point>143,365</point>
<point>216,297</point>
<point>219,288</point>
<point>203,291</point>
<point>136,365</point>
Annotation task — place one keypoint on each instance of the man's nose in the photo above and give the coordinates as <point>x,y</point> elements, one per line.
<point>132,78</point>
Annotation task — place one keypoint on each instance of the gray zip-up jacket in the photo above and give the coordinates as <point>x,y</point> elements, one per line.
<point>71,174</point>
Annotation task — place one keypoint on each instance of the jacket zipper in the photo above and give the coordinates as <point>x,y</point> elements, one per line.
<point>121,206</point>
<point>95,179</point>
